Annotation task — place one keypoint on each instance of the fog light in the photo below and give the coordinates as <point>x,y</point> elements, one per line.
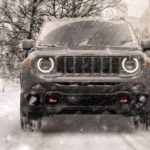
<point>33,100</point>
<point>142,99</point>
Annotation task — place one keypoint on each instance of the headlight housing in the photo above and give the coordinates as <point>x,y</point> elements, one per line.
<point>130,65</point>
<point>45,65</point>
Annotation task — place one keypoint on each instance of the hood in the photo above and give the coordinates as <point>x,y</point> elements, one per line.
<point>107,51</point>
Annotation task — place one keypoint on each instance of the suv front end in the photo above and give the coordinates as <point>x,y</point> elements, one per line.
<point>84,80</point>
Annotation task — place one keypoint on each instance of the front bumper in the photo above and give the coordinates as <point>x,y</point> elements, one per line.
<point>101,98</point>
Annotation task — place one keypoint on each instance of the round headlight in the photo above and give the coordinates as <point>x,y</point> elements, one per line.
<point>130,65</point>
<point>45,65</point>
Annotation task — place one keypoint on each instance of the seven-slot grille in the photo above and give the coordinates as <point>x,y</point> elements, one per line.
<point>88,65</point>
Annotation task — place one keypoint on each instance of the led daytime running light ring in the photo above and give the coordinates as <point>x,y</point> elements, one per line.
<point>45,71</point>
<point>130,71</point>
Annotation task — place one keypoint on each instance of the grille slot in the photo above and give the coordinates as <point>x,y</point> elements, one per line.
<point>88,65</point>
<point>69,65</point>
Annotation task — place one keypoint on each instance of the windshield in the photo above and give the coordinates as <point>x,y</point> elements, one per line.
<point>89,33</point>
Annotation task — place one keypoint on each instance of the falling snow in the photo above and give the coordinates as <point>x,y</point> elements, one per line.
<point>90,132</point>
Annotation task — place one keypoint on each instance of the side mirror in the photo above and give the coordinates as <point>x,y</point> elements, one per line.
<point>27,44</point>
<point>145,44</point>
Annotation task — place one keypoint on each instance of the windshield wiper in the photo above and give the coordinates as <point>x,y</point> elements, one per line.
<point>50,45</point>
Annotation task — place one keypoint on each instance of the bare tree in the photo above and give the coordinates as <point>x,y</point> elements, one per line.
<point>78,8</point>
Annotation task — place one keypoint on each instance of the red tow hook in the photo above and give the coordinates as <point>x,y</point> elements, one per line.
<point>52,101</point>
<point>123,101</point>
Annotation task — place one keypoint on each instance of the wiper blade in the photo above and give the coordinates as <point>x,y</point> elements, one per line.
<point>92,45</point>
<point>50,45</point>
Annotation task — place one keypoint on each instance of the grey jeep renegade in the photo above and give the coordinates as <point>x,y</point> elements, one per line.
<point>85,66</point>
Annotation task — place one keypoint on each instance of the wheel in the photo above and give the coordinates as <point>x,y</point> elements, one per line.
<point>29,124</point>
<point>142,120</point>
<point>147,121</point>
<point>136,121</point>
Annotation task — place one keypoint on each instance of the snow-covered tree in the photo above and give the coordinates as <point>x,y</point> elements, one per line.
<point>22,19</point>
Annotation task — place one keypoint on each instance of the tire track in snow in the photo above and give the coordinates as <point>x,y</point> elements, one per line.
<point>128,142</point>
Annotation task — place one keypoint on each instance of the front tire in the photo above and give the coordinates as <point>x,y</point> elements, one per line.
<point>30,124</point>
<point>142,120</point>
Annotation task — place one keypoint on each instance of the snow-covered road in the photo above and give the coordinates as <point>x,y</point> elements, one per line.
<point>68,132</point>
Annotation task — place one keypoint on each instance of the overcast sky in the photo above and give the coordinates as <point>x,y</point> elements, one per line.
<point>137,7</point>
